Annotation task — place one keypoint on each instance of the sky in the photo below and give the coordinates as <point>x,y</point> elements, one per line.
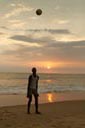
<point>53,42</point>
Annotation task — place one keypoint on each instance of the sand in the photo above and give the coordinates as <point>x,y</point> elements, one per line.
<point>14,99</point>
<point>65,114</point>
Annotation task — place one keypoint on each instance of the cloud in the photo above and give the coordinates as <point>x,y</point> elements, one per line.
<point>40,33</point>
<point>30,39</point>
<point>14,21</point>
<point>53,31</point>
<point>13,4</point>
<point>17,25</point>
<point>1,33</point>
<point>4,27</point>
<point>57,7</point>
<point>60,21</point>
<point>51,49</point>
<point>18,9</point>
<point>33,18</point>
<point>56,38</point>
<point>29,50</point>
<point>63,21</point>
<point>49,36</point>
<point>50,46</point>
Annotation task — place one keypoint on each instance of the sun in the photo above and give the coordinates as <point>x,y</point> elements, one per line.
<point>48,67</point>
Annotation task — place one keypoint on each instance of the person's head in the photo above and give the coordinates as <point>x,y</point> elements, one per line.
<point>34,70</point>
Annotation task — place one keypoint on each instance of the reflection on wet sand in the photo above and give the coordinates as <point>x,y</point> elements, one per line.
<point>11,100</point>
<point>50,97</point>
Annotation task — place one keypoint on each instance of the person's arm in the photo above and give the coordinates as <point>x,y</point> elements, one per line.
<point>37,85</point>
<point>28,87</point>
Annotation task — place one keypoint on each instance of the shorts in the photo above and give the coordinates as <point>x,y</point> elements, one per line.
<point>33,91</point>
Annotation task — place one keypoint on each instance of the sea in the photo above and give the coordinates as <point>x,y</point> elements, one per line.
<point>16,83</point>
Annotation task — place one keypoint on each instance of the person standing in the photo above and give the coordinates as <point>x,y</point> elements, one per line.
<point>32,89</point>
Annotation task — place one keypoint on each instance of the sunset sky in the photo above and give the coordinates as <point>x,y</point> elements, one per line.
<point>53,42</point>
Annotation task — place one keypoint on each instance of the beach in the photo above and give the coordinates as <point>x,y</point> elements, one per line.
<point>14,99</point>
<point>63,113</point>
<point>68,114</point>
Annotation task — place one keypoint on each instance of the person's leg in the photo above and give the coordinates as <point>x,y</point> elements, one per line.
<point>29,104</point>
<point>36,104</point>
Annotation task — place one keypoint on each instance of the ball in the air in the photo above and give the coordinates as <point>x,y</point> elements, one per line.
<point>39,12</point>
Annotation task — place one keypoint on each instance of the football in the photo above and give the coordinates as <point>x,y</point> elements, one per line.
<point>39,12</point>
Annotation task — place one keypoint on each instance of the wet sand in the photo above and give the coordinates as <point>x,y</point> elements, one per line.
<point>14,99</point>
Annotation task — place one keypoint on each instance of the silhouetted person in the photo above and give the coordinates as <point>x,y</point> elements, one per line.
<point>32,89</point>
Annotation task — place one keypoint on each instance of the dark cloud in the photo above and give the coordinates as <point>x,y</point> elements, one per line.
<point>50,50</point>
<point>70,44</point>
<point>31,39</point>
<point>4,27</point>
<point>1,33</point>
<point>53,31</point>
<point>48,41</point>
<point>44,39</point>
<point>24,38</point>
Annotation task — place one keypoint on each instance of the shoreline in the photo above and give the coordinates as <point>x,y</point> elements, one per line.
<point>19,99</point>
